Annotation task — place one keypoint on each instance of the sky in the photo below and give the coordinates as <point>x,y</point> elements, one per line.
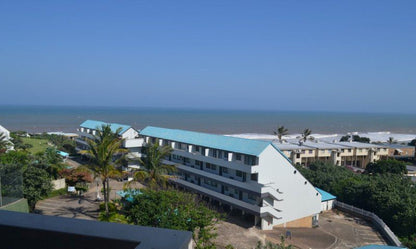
<point>357,56</point>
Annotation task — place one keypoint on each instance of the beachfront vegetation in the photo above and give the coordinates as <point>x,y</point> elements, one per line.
<point>412,143</point>
<point>4,143</point>
<point>355,138</point>
<point>174,210</point>
<point>154,173</point>
<point>385,192</point>
<point>103,149</point>
<point>35,172</point>
<point>36,185</point>
<point>280,132</point>
<point>305,134</point>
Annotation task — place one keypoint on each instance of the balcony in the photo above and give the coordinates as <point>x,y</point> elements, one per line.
<point>135,142</point>
<point>21,231</point>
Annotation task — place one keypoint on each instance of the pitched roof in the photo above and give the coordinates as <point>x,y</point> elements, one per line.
<point>94,124</point>
<point>325,195</point>
<point>227,143</point>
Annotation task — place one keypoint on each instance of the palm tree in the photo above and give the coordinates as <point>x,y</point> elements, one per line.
<point>153,172</point>
<point>280,132</point>
<point>4,142</point>
<point>305,134</point>
<point>102,149</point>
<point>391,140</point>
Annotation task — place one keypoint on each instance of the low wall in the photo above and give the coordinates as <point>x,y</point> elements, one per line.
<point>58,184</point>
<point>20,205</point>
<point>379,223</point>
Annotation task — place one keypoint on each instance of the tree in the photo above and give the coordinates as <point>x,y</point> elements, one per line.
<point>391,140</point>
<point>174,210</point>
<point>36,185</point>
<point>105,145</point>
<point>386,166</point>
<point>4,143</point>
<point>355,138</point>
<point>154,172</point>
<point>412,143</point>
<point>280,132</point>
<point>305,134</point>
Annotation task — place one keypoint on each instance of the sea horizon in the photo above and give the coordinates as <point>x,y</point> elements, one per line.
<point>38,118</point>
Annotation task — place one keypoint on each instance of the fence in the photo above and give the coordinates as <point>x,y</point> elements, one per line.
<point>379,223</point>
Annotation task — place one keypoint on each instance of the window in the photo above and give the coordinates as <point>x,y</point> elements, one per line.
<point>254,177</point>
<point>198,163</point>
<point>310,151</point>
<point>239,173</point>
<point>238,157</point>
<point>211,166</point>
<point>249,160</point>
<point>224,170</point>
<point>349,150</point>
<point>197,148</point>
<point>226,188</point>
<point>251,197</point>
<point>214,153</point>
<point>342,150</point>
<point>226,155</point>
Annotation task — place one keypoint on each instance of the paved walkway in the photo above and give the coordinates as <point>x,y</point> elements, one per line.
<point>70,206</point>
<point>85,207</point>
<point>336,230</point>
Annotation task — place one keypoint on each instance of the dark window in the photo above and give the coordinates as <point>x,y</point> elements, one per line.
<point>197,148</point>
<point>239,173</point>
<point>238,157</point>
<point>254,177</point>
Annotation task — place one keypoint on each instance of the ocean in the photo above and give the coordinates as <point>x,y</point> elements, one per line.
<point>67,119</point>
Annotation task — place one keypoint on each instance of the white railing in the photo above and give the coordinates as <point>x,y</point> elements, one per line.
<point>268,209</point>
<point>379,223</point>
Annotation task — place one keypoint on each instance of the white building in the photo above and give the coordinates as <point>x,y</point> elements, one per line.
<point>250,175</point>
<point>132,142</point>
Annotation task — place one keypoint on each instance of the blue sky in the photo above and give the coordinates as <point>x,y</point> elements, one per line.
<point>275,55</point>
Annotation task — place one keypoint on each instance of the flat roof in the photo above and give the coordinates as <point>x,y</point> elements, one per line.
<point>360,145</point>
<point>290,146</point>
<point>95,124</point>
<point>227,143</point>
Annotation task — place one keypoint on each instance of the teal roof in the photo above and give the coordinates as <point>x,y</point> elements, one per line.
<point>325,195</point>
<point>94,124</point>
<point>62,153</point>
<point>227,143</point>
<point>378,247</point>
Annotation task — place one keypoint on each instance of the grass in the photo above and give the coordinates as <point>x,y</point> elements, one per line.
<point>39,145</point>
<point>57,192</point>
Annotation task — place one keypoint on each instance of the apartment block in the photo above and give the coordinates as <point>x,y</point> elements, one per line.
<point>250,175</point>
<point>338,153</point>
<point>131,140</point>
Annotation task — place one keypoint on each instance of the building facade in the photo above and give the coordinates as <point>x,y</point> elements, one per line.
<point>338,153</point>
<point>250,175</point>
<point>131,140</point>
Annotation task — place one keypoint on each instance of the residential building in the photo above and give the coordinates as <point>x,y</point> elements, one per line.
<point>401,151</point>
<point>250,175</point>
<point>131,141</point>
<point>338,153</point>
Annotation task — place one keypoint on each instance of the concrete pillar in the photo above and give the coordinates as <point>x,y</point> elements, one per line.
<point>256,220</point>
<point>230,156</point>
<point>160,142</point>
<point>206,151</point>
<point>173,145</point>
<point>190,148</point>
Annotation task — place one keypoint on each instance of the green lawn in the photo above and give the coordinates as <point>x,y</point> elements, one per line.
<point>39,145</point>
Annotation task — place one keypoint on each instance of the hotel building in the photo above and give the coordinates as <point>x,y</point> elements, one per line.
<point>250,175</point>
<point>131,140</point>
<point>338,153</point>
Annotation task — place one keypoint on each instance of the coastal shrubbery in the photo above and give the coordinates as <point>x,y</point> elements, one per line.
<point>382,189</point>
